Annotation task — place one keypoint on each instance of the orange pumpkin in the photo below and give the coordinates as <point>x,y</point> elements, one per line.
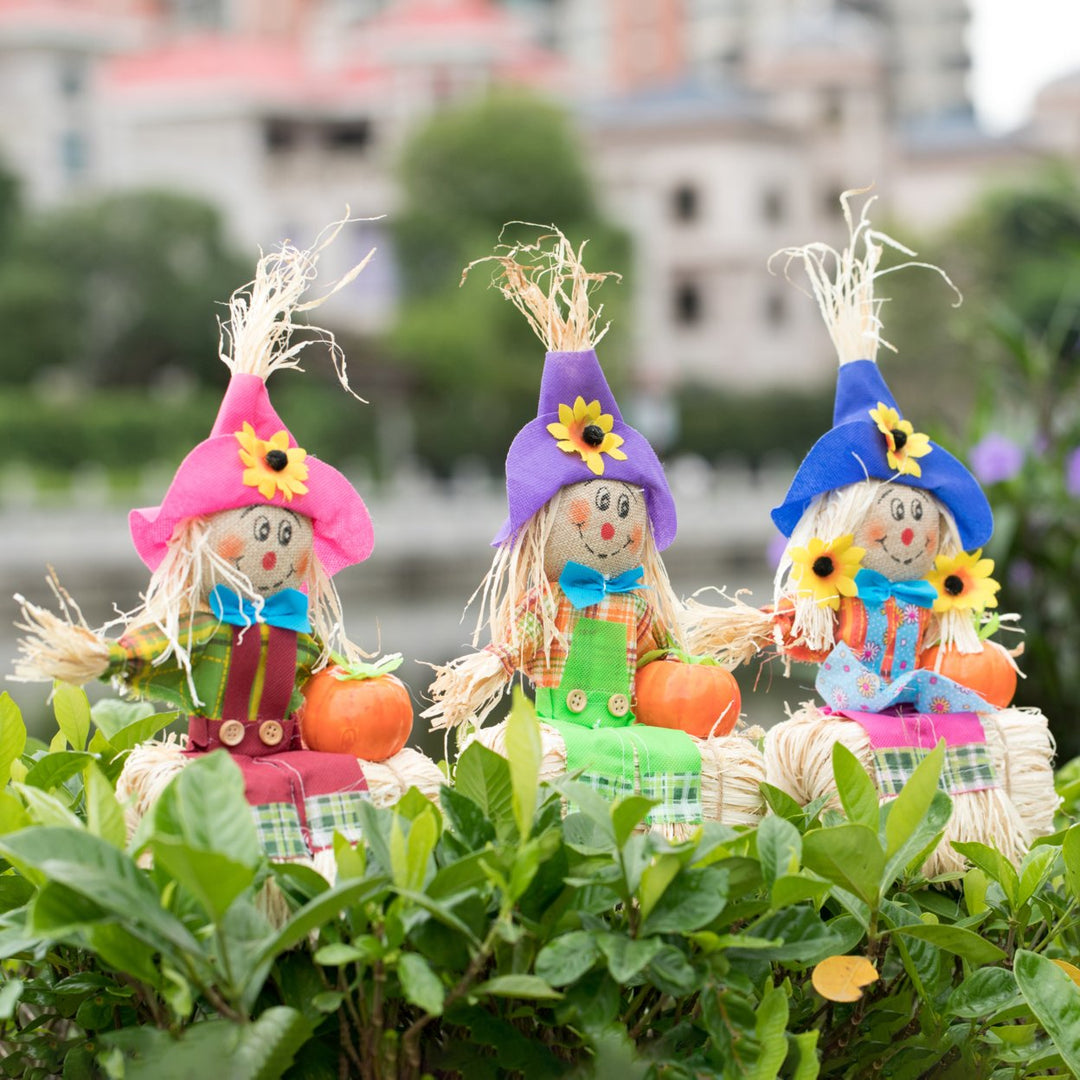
<point>989,673</point>
<point>690,697</point>
<point>348,711</point>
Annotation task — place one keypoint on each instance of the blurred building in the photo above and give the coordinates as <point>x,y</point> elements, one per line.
<point>720,130</point>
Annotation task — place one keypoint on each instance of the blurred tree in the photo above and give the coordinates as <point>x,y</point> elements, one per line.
<point>115,290</point>
<point>475,364</point>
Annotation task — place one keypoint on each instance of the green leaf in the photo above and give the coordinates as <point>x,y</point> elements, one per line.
<point>781,803</point>
<point>484,776</point>
<point>849,856</point>
<point>138,731</point>
<point>983,993</point>
<point>55,768</point>
<point>523,752</point>
<point>627,957</point>
<point>1055,1000</point>
<point>565,959</point>
<point>214,879</point>
<point>518,986</point>
<point>915,850</point>
<point>628,813</point>
<point>112,715</point>
<point>1070,850</point>
<point>995,865</point>
<point>46,809</point>
<point>204,809</point>
<point>122,950</point>
<point>956,940</point>
<point>858,796</point>
<point>690,902</point>
<point>72,713</point>
<point>779,847</point>
<point>771,1031</point>
<point>261,1050</point>
<point>907,810</point>
<point>338,952</point>
<point>350,859</point>
<point>420,985</point>
<point>12,736</point>
<point>794,888</point>
<point>410,856</point>
<point>13,816</point>
<point>104,815</point>
<point>807,1065</point>
<point>1034,870</point>
<point>655,879</point>
<point>795,936</point>
<point>10,994</point>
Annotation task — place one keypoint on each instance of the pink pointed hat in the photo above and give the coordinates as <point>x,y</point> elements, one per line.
<point>250,457</point>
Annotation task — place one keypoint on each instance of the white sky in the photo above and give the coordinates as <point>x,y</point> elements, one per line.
<point>1017,47</point>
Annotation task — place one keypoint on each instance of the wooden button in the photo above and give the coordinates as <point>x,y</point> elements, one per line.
<point>618,704</point>
<point>576,701</point>
<point>231,733</point>
<point>271,732</point>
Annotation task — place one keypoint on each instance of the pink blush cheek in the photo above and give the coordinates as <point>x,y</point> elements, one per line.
<point>231,547</point>
<point>302,566</point>
<point>932,541</point>
<point>637,534</point>
<point>871,533</point>
<point>578,513</point>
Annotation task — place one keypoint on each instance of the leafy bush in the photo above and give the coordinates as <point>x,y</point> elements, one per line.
<point>497,938</point>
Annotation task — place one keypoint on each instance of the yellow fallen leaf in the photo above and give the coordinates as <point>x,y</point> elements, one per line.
<point>839,978</point>
<point>1070,969</point>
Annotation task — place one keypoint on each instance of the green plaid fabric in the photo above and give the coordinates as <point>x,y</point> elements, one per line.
<point>679,795</point>
<point>279,831</point>
<point>210,643</point>
<point>967,768</point>
<point>336,812</point>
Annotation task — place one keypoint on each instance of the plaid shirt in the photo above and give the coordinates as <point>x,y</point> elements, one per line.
<point>211,645</point>
<point>644,632</point>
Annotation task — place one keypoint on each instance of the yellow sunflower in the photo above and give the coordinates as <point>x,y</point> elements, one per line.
<point>585,430</point>
<point>963,582</point>
<point>902,443</point>
<point>271,464</point>
<point>827,571</point>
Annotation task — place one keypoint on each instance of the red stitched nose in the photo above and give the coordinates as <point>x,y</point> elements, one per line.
<point>270,560</point>
<point>607,530</point>
<point>906,537</point>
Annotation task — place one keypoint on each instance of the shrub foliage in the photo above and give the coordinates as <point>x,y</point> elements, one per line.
<point>493,937</point>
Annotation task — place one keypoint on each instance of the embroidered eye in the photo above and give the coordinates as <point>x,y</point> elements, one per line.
<point>897,508</point>
<point>284,533</point>
<point>603,499</point>
<point>624,505</point>
<point>262,528</point>
<point>916,509</point>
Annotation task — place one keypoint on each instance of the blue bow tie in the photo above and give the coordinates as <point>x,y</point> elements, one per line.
<point>585,586</point>
<point>287,609</point>
<point>875,588</point>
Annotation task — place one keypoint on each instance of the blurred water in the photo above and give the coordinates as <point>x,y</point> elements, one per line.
<point>431,550</point>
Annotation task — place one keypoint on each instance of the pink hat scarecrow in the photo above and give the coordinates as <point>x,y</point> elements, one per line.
<point>240,615</point>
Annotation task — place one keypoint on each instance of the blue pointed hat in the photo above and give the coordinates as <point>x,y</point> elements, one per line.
<point>857,448</point>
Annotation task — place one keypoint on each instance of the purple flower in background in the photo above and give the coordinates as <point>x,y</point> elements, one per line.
<point>1072,473</point>
<point>996,458</point>
<point>775,551</point>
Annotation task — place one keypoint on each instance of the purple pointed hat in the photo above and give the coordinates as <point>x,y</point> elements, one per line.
<point>250,458</point>
<point>579,434</point>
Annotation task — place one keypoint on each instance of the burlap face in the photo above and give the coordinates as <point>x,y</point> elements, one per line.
<point>598,523</point>
<point>271,545</point>
<point>901,533</point>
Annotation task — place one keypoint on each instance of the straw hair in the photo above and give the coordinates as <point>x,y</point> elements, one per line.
<point>732,635</point>
<point>732,769</point>
<point>798,760</point>
<point>257,339</point>
<point>548,283</point>
<point>842,282</point>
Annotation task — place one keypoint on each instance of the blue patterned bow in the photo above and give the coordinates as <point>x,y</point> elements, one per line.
<point>875,588</point>
<point>287,609</point>
<point>585,586</point>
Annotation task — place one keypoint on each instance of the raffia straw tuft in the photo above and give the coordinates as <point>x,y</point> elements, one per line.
<point>842,282</point>
<point>58,646</point>
<point>258,337</point>
<point>548,283</point>
<point>798,759</point>
<point>733,635</point>
<point>732,769</point>
<point>389,780</point>
<point>465,690</point>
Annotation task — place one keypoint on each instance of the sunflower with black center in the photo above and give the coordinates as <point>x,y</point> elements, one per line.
<point>963,582</point>
<point>903,444</point>
<point>272,465</point>
<point>585,429</point>
<point>827,571</point>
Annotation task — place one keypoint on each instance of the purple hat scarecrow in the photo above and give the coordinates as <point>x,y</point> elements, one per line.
<point>578,433</point>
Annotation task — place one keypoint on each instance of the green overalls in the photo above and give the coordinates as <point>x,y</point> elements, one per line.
<point>591,709</point>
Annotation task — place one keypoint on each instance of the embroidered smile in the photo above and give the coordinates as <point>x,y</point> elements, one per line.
<point>904,562</point>
<point>601,554</point>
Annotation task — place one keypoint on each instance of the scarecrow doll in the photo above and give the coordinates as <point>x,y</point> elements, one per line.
<point>577,599</point>
<point>240,612</point>
<point>883,586</point>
